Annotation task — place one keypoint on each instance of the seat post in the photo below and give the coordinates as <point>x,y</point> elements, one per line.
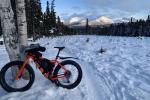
<point>58,54</point>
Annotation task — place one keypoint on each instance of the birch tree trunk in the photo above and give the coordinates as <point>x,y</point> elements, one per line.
<point>22,25</point>
<point>10,34</point>
<point>22,31</point>
<point>14,40</point>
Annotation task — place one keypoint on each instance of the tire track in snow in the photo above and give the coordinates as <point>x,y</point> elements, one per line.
<point>95,90</point>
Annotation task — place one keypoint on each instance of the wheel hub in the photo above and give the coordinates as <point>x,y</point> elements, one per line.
<point>67,74</point>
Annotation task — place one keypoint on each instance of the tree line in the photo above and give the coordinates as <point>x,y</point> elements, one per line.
<point>132,28</point>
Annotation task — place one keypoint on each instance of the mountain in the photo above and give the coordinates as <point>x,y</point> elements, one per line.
<point>78,21</point>
<point>75,20</point>
<point>103,20</point>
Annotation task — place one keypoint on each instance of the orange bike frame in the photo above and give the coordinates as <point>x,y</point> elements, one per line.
<point>31,56</point>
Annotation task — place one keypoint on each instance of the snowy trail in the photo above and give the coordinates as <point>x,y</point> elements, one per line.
<point>121,73</point>
<point>94,88</point>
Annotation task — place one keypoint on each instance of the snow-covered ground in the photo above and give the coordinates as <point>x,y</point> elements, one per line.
<point>121,73</point>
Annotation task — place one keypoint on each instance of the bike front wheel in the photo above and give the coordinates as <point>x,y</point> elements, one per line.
<point>8,73</point>
<point>73,76</point>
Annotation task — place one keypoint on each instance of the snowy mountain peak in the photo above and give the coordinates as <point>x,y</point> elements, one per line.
<point>104,19</point>
<point>101,21</point>
<point>75,20</point>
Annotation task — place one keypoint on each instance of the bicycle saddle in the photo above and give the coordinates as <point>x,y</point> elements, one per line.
<point>60,48</point>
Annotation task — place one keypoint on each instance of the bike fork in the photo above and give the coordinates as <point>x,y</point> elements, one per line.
<point>21,69</point>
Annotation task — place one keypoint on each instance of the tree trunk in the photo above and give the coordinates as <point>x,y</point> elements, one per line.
<point>14,41</point>
<point>22,25</point>
<point>9,29</point>
<point>22,31</point>
<point>10,34</point>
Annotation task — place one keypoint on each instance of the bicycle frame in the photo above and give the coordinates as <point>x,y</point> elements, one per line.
<point>31,56</point>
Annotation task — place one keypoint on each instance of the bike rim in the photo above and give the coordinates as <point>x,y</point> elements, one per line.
<point>10,78</point>
<point>71,77</point>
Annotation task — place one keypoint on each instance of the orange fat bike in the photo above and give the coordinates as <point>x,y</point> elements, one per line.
<point>18,76</point>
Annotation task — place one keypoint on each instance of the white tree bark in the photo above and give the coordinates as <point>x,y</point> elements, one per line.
<point>22,24</point>
<point>10,34</point>
<point>14,41</point>
<point>22,31</point>
<point>9,29</point>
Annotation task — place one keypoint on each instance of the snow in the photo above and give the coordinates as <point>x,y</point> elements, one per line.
<point>1,39</point>
<point>120,73</point>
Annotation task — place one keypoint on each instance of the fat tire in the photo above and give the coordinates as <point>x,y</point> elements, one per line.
<point>76,83</point>
<point>4,83</point>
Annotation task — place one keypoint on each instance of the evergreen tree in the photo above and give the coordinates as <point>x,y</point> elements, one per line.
<point>0,28</point>
<point>87,26</point>
<point>47,20</point>
<point>34,17</point>
<point>29,16</point>
<point>38,18</point>
<point>58,21</point>
<point>148,18</point>
<point>131,20</point>
<point>60,26</point>
<point>53,14</point>
<point>50,19</point>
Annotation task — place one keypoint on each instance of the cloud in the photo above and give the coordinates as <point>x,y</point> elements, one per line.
<point>93,14</point>
<point>125,19</point>
<point>113,9</point>
<point>124,5</point>
<point>116,9</point>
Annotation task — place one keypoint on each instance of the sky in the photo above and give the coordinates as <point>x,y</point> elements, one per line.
<point>92,9</point>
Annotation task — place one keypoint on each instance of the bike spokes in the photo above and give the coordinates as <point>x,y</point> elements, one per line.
<point>10,78</point>
<point>70,75</point>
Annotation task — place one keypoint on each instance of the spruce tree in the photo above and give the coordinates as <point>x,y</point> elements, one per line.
<point>60,26</point>
<point>53,14</point>
<point>34,17</point>
<point>58,20</point>
<point>148,18</point>
<point>29,16</point>
<point>0,28</point>
<point>47,20</point>
<point>38,18</point>
<point>87,26</point>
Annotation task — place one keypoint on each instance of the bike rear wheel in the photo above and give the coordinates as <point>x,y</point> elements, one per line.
<point>73,77</point>
<point>7,78</point>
